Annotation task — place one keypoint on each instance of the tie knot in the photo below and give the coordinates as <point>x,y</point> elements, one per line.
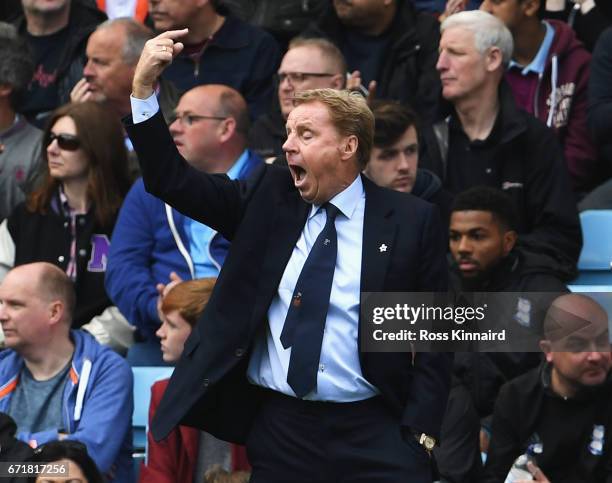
<point>331,210</point>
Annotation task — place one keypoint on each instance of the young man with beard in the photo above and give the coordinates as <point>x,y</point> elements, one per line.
<point>561,410</point>
<point>482,242</point>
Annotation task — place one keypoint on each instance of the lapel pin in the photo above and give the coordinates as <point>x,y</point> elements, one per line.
<point>326,242</point>
<point>382,248</point>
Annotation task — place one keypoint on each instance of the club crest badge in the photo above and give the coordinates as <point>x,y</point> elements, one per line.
<point>597,440</point>
<point>523,312</point>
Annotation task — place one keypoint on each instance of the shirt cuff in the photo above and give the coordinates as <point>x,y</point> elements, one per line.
<point>143,109</point>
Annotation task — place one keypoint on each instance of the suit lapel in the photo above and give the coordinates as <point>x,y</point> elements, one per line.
<point>289,214</point>
<point>378,238</point>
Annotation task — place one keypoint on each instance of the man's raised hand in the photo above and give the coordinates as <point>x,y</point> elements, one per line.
<point>156,56</point>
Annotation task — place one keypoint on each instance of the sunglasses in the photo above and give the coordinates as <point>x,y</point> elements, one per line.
<point>67,142</point>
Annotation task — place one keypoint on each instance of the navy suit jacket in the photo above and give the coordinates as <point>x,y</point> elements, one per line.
<point>263,218</point>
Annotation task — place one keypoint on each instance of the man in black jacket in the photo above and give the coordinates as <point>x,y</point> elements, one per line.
<point>561,412</point>
<point>389,43</point>
<point>481,138</point>
<point>482,241</point>
<point>309,63</point>
<point>57,36</point>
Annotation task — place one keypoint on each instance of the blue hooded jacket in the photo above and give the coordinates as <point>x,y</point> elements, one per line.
<point>97,404</point>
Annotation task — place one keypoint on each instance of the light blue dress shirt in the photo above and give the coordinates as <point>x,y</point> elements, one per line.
<point>339,377</point>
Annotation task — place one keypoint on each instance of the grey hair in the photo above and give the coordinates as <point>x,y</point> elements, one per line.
<point>488,30</point>
<point>16,64</point>
<point>136,36</point>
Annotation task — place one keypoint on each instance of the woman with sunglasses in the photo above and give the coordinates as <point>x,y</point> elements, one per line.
<point>69,218</point>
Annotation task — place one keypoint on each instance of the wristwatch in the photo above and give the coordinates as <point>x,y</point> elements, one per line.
<point>426,441</point>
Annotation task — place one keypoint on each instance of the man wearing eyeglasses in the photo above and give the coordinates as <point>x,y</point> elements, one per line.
<point>308,64</point>
<point>152,240</point>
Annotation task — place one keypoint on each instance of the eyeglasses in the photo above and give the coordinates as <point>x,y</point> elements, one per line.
<point>67,142</point>
<point>189,119</point>
<point>299,77</point>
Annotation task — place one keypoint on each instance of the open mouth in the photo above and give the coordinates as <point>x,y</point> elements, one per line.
<point>299,174</point>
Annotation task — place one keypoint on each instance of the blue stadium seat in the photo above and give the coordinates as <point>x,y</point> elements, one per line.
<point>595,263</point>
<point>144,377</point>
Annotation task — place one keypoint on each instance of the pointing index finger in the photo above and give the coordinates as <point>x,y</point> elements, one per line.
<point>173,34</point>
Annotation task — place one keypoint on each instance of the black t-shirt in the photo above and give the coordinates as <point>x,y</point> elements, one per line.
<point>47,51</point>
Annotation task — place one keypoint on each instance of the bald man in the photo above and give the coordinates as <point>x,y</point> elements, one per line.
<point>152,240</point>
<point>561,410</point>
<point>57,383</point>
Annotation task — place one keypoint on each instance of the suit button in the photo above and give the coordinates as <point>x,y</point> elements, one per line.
<point>81,221</point>
<point>60,258</point>
<point>65,224</point>
<point>239,352</point>
<point>82,252</point>
<point>205,383</point>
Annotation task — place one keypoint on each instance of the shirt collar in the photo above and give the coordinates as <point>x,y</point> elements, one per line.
<point>236,169</point>
<point>346,201</point>
<point>538,64</point>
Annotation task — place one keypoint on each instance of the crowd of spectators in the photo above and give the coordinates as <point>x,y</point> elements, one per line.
<point>498,112</point>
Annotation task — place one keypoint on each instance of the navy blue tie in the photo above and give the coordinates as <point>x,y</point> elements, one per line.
<point>303,329</point>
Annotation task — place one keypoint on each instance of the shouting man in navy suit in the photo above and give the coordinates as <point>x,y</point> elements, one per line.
<point>274,361</point>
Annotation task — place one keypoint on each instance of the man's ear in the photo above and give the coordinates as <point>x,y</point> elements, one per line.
<point>530,7</point>
<point>510,238</point>
<point>494,59</point>
<point>546,347</point>
<point>56,312</point>
<point>5,90</point>
<point>349,149</point>
<point>227,129</point>
<point>338,81</point>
